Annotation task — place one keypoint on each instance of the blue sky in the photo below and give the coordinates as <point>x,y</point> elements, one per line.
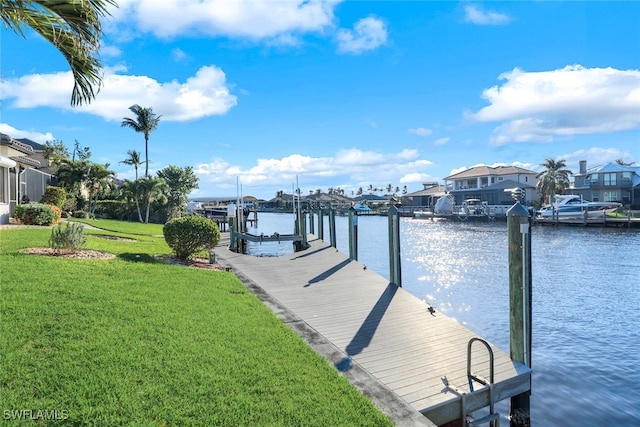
<point>342,94</point>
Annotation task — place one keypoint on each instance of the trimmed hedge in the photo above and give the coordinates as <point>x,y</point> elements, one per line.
<point>191,234</point>
<point>37,214</point>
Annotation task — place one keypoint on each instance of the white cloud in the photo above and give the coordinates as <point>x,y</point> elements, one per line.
<point>475,15</point>
<point>595,156</point>
<point>541,106</point>
<point>178,55</point>
<point>348,165</point>
<point>420,131</point>
<point>204,94</point>
<point>367,34</point>
<point>441,141</point>
<point>20,133</point>
<point>110,51</point>
<point>251,19</point>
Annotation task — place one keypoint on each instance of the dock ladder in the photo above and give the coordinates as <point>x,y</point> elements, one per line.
<point>493,418</point>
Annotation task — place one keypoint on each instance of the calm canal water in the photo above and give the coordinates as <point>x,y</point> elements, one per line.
<point>586,302</point>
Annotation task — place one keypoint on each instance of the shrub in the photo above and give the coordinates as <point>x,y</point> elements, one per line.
<point>83,215</point>
<point>58,212</point>
<point>190,234</point>
<point>69,238</point>
<point>35,214</point>
<point>114,209</point>
<point>55,196</point>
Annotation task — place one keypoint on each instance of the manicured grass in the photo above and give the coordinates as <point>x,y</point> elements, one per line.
<point>123,342</point>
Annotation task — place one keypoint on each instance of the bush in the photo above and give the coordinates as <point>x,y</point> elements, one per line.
<point>190,234</point>
<point>36,214</point>
<point>114,209</point>
<point>83,215</point>
<point>58,212</point>
<point>69,238</point>
<point>55,196</point>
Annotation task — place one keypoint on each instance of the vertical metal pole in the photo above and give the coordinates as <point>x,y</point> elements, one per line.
<point>395,273</point>
<point>312,229</point>
<point>303,230</point>
<point>332,227</point>
<point>320,224</point>
<point>353,233</point>
<point>519,228</point>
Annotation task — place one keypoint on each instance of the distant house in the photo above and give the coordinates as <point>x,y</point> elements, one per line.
<point>426,197</point>
<point>608,183</point>
<point>20,179</point>
<point>488,184</point>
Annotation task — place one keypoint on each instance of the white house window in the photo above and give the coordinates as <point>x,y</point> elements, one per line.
<point>626,177</point>
<point>595,197</point>
<point>593,179</point>
<point>610,196</point>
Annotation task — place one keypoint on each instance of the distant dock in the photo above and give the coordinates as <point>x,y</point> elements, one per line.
<point>404,350</point>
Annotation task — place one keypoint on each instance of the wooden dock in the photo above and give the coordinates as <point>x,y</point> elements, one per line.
<point>418,354</point>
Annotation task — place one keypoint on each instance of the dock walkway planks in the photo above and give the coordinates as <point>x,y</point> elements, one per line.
<point>381,328</point>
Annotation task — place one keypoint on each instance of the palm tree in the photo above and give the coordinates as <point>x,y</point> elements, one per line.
<point>98,177</point>
<point>621,162</point>
<point>145,122</point>
<point>554,179</point>
<point>133,160</point>
<point>131,190</point>
<point>152,189</point>
<point>73,27</point>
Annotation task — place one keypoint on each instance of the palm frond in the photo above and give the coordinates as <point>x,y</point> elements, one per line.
<point>73,27</point>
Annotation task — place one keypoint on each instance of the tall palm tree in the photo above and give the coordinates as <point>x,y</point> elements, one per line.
<point>554,179</point>
<point>145,122</point>
<point>73,27</point>
<point>133,160</point>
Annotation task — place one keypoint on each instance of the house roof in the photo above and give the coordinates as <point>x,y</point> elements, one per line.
<point>613,167</point>
<point>371,197</point>
<point>479,171</point>
<point>29,158</point>
<point>35,145</point>
<point>438,190</point>
<point>6,140</point>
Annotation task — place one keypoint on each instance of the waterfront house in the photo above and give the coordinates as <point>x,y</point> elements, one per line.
<point>424,198</point>
<point>488,184</point>
<point>20,179</point>
<point>611,182</point>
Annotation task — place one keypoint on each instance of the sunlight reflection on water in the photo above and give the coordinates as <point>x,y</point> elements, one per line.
<point>586,293</point>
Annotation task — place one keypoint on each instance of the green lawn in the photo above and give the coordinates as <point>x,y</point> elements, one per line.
<point>134,341</point>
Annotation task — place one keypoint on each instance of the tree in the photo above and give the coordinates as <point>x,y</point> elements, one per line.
<point>180,182</point>
<point>133,160</point>
<point>72,27</point>
<point>152,189</point>
<point>97,177</point>
<point>621,162</point>
<point>145,122</point>
<point>83,153</point>
<point>554,179</point>
<point>131,191</point>
<point>55,152</point>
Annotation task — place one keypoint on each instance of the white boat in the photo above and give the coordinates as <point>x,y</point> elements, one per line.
<point>573,206</point>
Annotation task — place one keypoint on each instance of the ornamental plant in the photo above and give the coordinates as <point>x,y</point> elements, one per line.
<point>191,234</point>
<point>36,214</point>
<point>55,196</point>
<point>69,238</point>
